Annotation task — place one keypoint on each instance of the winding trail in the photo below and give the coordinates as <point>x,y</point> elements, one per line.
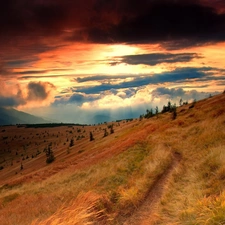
<point>144,214</point>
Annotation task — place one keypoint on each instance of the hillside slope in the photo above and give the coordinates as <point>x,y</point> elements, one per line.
<point>154,171</point>
<point>13,116</point>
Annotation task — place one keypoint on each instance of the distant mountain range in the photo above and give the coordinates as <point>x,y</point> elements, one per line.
<point>13,116</point>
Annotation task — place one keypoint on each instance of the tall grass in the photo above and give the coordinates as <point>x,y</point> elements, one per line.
<point>80,211</point>
<point>104,192</point>
<point>122,181</point>
<point>196,191</point>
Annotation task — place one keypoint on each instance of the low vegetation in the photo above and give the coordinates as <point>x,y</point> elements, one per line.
<point>106,178</point>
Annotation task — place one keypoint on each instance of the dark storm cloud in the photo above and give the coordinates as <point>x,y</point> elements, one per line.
<point>114,21</point>
<point>172,92</point>
<point>79,98</point>
<point>38,91</point>
<point>76,98</point>
<point>34,91</point>
<point>155,58</point>
<point>165,21</point>
<point>178,75</point>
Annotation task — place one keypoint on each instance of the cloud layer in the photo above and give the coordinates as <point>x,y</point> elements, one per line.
<point>96,54</point>
<point>113,21</point>
<point>40,93</point>
<point>179,75</point>
<point>154,58</point>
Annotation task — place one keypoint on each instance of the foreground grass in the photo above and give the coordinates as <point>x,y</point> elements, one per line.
<point>196,192</point>
<point>108,190</point>
<point>121,182</point>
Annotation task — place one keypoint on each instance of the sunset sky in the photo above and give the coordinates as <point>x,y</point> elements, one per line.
<point>69,60</point>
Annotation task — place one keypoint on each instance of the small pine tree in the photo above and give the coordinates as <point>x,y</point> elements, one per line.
<point>49,154</point>
<point>174,113</point>
<point>91,137</point>
<point>105,133</point>
<point>111,129</point>
<point>169,105</point>
<point>181,102</point>
<point>156,111</point>
<point>71,142</point>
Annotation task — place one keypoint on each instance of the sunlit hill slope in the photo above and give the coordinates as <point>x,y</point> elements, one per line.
<point>163,170</point>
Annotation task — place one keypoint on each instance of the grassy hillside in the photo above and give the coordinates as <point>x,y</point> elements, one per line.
<point>154,171</point>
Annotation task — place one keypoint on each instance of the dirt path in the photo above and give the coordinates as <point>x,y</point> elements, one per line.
<point>144,215</point>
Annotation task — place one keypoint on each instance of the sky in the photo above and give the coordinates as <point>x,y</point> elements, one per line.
<point>70,60</point>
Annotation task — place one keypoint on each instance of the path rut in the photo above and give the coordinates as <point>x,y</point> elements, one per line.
<point>144,215</point>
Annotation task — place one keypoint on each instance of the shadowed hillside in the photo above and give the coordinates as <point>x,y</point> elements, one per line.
<point>163,170</point>
<point>12,117</point>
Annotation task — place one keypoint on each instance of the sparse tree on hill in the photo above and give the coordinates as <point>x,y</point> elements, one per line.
<point>111,129</point>
<point>156,111</point>
<point>105,132</point>
<point>71,142</point>
<point>91,136</point>
<point>174,112</point>
<point>49,154</point>
<point>169,105</point>
<point>167,108</point>
<point>181,102</point>
<point>149,113</point>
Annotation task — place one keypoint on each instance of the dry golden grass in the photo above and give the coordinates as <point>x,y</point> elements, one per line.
<point>98,182</point>
<point>80,211</point>
<point>200,175</point>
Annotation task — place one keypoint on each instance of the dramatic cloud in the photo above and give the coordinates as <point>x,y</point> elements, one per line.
<point>169,92</point>
<point>76,99</point>
<point>113,21</point>
<point>131,107</point>
<point>178,75</point>
<point>175,94</point>
<point>154,58</point>
<point>18,96</point>
<point>39,91</point>
<point>95,54</point>
<point>165,21</point>
<point>79,99</point>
